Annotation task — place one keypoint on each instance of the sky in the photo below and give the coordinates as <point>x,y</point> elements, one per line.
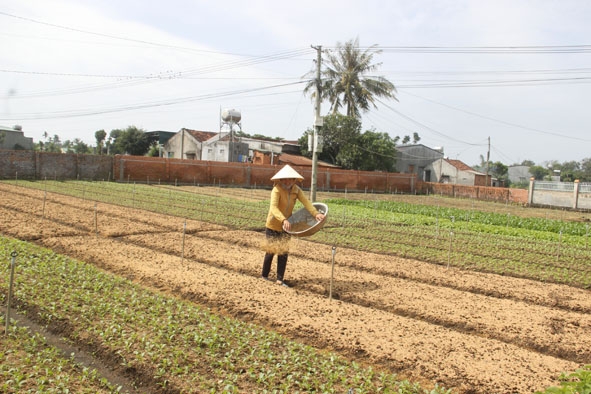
<point>516,73</point>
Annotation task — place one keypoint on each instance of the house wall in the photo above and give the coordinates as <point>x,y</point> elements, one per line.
<point>262,146</point>
<point>225,151</point>
<point>517,174</point>
<point>415,159</point>
<point>215,151</point>
<point>444,172</point>
<point>261,158</point>
<point>14,138</point>
<point>182,141</point>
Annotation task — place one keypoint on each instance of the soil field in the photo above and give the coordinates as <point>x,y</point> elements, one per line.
<point>474,332</point>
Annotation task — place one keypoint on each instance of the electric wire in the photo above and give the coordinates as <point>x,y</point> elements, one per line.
<point>424,126</point>
<point>555,134</point>
<point>129,107</point>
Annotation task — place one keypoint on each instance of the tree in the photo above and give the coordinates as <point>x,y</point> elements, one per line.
<point>405,140</point>
<point>538,172</point>
<point>586,170</point>
<point>338,132</point>
<point>50,144</point>
<point>378,152</point>
<point>345,80</point>
<point>345,146</point>
<point>154,150</point>
<point>132,141</point>
<point>100,136</point>
<point>499,170</point>
<point>415,137</point>
<point>76,146</point>
<point>569,171</point>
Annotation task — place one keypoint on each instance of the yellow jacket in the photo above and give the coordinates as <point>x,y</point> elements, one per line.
<point>282,203</point>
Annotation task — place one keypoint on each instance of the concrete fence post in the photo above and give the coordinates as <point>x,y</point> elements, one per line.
<point>576,188</point>
<point>530,192</point>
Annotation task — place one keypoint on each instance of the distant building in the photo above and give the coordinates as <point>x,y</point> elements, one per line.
<point>415,159</point>
<point>518,174</point>
<point>14,139</point>
<point>456,172</point>
<point>205,145</point>
<point>218,146</point>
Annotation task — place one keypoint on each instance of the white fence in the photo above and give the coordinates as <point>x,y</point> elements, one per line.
<point>573,195</point>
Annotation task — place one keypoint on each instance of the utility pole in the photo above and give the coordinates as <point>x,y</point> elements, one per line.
<point>317,125</point>
<point>488,164</point>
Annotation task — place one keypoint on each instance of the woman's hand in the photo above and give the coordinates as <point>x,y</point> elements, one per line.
<point>320,217</point>
<point>286,225</point>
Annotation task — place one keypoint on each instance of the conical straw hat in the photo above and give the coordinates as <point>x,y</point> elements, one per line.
<point>287,173</point>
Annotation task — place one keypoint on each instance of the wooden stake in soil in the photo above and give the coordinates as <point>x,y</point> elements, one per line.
<point>183,244</point>
<point>334,251</point>
<point>43,212</point>
<point>559,243</point>
<point>95,221</point>
<point>451,236</point>
<point>12,265</point>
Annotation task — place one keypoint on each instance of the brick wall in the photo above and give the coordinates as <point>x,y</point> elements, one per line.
<point>27,164</point>
<point>121,168</point>
<point>177,171</point>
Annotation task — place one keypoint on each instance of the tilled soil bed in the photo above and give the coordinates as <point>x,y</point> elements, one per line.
<point>474,332</point>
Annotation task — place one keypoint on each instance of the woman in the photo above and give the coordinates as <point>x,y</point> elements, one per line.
<point>283,198</point>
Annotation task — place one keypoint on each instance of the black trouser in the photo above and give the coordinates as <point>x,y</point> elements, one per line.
<point>277,237</point>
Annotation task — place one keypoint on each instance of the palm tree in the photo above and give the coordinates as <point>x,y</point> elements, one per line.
<point>345,81</point>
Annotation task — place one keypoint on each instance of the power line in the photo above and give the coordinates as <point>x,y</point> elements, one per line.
<point>500,121</point>
<point>540,49</point>
<point>106,35</point>
<point>166,75</point>
<point>425,126</point>
<point>130,107</point>
<point>498,83</point>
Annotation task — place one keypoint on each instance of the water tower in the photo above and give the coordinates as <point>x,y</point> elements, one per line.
<point>237,151</point>
<point>230,117</point>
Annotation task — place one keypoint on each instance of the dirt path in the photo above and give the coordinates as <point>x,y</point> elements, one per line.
<point>479,333</point>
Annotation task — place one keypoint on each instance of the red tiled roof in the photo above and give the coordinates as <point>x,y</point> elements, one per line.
<point>201,135</point>
<point>460,165</point>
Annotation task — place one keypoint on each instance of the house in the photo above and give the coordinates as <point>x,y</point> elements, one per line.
<point>415,159</point>
<point>215,146</point>
<point>455,172</point>
<point>518,174</point>
<point>263,151</point>
<point>205,145</point>
<point>13,138</point>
